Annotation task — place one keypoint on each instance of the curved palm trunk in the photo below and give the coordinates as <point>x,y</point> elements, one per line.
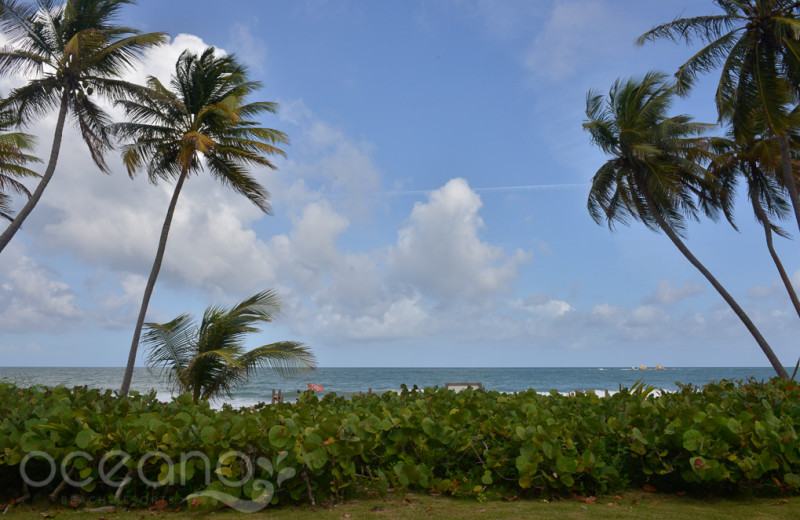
<point>151,282</point>
<point>762,218</point>
<point>12,228</point>
<point>788,176</point>
<point>773,359</point>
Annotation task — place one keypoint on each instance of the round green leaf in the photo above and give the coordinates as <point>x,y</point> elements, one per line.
<point>692,440</point>
<point>85,438</point>
<point>278,436</point>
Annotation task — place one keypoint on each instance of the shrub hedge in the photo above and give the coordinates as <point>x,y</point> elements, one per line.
<point>727,436</point>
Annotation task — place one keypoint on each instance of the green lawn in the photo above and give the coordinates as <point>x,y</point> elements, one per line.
<point>632,505</point>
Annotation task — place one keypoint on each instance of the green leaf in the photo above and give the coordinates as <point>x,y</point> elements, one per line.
<point>734,426</point>
<point>312,442</point>
<point>792,480</point>
<point>547,449</point>
<point>278,436</point>
<point>692,440</point>
<point>316,459</point>
<point>181,420</point>
<point>85,438</point>
<point>566,464</point>
<point>29,442</point>
<point>429,427</point>
<point>208,434</point>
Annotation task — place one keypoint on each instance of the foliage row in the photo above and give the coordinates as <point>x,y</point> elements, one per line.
<point>725,436</point>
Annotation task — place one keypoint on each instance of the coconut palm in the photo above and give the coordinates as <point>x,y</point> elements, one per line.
<point>753,155</point>
<point>654,174</point>
<point>201,122</point>
<point>13,161</point>
<point>209,359</point>
<point>71,50</point>
<point>756,44</point>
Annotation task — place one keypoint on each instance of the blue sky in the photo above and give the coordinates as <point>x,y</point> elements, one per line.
<point>431,210</point>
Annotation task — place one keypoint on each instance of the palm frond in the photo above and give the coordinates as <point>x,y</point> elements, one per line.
<point>285,358</point>
<point>209,359</point>
<point>655,159</point>
<point>705,28</point>
<point>169,348</point>
<point>204,115</point>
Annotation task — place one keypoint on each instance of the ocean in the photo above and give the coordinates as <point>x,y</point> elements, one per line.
<point>346,381</point>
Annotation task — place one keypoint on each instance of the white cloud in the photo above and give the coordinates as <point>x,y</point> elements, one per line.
<point>667,292</point>
<point>295,111</point>
<point>342,165</point>
<point>647,316</point>
<point>160,61</point>
<point>578,32</point>
<point>115,223</point>
<point>119,311</point>
<point>544,306</point>
<point>606,313</point>
<point>440,253</point>
<point>310,254</point>
<point>248,48</point>
<point>32,297</point>
<point>402,318</point>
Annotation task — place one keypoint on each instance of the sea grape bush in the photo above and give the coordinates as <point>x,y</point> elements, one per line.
<point>727,436</point>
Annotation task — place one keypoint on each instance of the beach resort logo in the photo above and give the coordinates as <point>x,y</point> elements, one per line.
<point>114,470</point>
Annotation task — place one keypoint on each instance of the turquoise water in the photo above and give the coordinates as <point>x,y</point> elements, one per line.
<point>352,380</point>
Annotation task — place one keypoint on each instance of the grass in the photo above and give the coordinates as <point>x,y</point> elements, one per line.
<point>638,505</point>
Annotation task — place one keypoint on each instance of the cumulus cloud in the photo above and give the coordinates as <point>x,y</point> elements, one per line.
<point>402,318</point>
<point>309,254</point>
<point>333,166</point>
<point>543,305</point>
<point>667,292</point>
<point>32,297</point>
<point>115,222</point>
<point>440,253</point>
<point>160,61</point>
<point>431,281</point>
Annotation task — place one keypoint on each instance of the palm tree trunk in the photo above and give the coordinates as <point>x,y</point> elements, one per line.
<point>773,359</point>
<point>788,175</point>
<point>12,228</point>
<point>151,282</point>
<point>762,218</point>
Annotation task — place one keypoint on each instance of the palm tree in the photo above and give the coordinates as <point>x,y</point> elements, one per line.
<point>654,174</point>
<point>756,42</point>
<point>73,50</point>
<point>13,159</point>
<point>209,359</point>
<point>201,122</point>
<point>754,156</point>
